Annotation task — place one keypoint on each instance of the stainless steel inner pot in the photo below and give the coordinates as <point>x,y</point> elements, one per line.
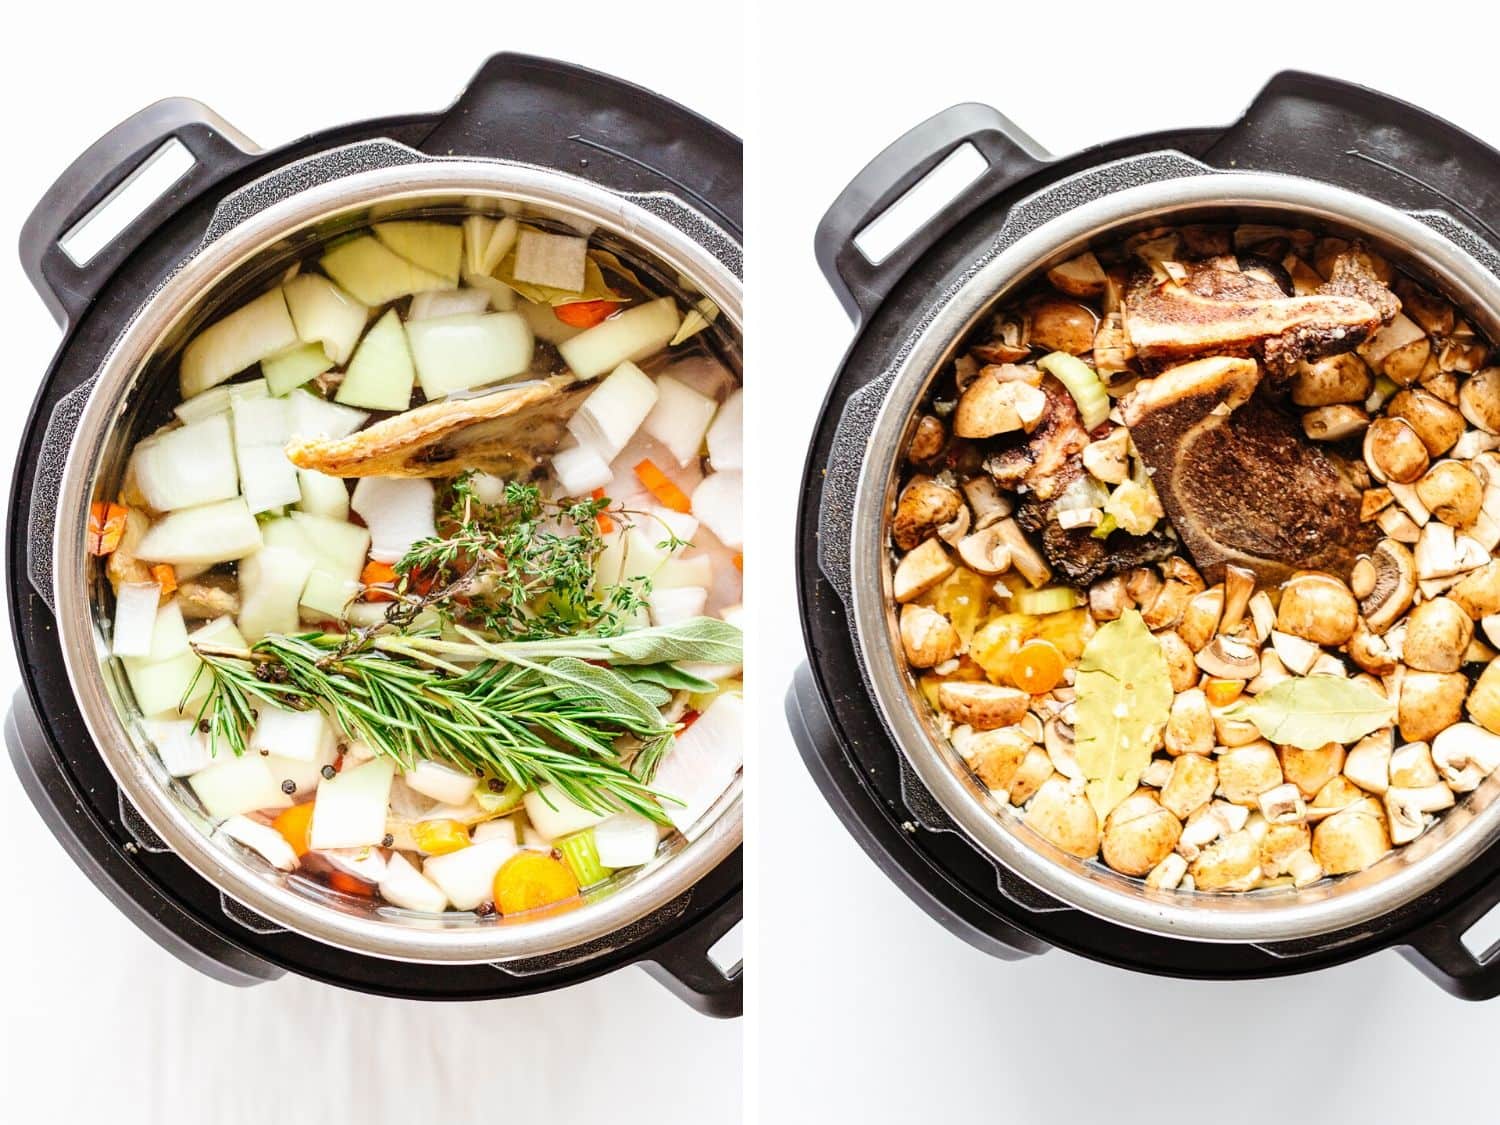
<point>1092,208</point>
<point>255,234</point>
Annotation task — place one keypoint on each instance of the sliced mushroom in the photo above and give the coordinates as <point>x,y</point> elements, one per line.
<point>987,501</point>
<point>1262,615</point>
<point>1435,422</point>
<point>1245,772</point>
<point>922,569</point>
<point>1478,593</point>
<point>1108,599</point>
<point>1371,652</point>
<point>1398,525</point>
<point>928,637</point>
<point>1035,769</point>
<point>1057,737</point>
<point>1368,764</point>
<point>1452,492</point>
<point>1297,655</point>
<point>923,507</point>
<point>1465,754</point>
<point>1310,770</point>
<point>1229,659</point>
<point>1437,633</point>
<point>1167,875</point>
<point>1023,556</point>
<point>1239,585</point>
<point>1283,805</point>
<point>1190,726</point>
<point>1272,672</point>
<point>982,706</point>
<point>1282,841</point>
<point>1201,617</point>
<point>1338,794</point>
<point>1142,584</point>
<point>1394,451</point>
<point>1192,783</point>
<point>1405,809</point>
<point>1430,701</point>
<point>985,551</point>
<point>1352,839</point>
<point>1108,459</point>
<point>1318,608</point>
<point>1395,586</point>
<point>1139,834</point>
<point>1334,423</point>
<point>995,755</point>
<point>1082,276</point>
<point>1479,400</point>
<point>953,532</point>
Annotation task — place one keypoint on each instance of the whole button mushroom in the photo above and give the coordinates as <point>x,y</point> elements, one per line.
<point>1352,838</point>
<point>1437,633</point>
<point>1191,785</point>
<point>1452,493</point>
<point>1430,701</point>
<point>924,506</point>
<point>1062,326</point>
<point>1139,834</point>
<point>1317,608</point>
<point>1228,864</point>
<point>928,637</point>
<point>1479,400</point>
<point>1436,423</point>
<point>1394,451</point>
<point>1245,772</point>
<point>1063,815</point>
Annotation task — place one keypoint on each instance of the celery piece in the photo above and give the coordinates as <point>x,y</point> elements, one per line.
<point>1085,386</point>
<point>582,858</point>
<point>288,370</point>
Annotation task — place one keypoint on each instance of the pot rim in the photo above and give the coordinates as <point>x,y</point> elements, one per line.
<point>1430,241</point>
<point>387,932</point>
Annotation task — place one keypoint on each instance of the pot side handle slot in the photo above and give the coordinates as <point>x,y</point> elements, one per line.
<point>1460,951</point>
<point>913,193</point>
<point>123,186</point>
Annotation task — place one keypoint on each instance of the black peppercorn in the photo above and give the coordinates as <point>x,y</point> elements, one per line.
<point>289,787</point>
<point>387,840</point>
<point>495,785</point>
<point>203,726</point>
<point>328,773</point>
<point>484,909</point>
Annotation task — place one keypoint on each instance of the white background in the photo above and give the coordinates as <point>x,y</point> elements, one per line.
<point>99,1023</point>
<point>871,1012</point>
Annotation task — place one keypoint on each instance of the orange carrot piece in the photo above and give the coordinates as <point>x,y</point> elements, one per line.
<point>658,484</point>
<point>1037,666</point>
<point>106,527</point>
<point>295,824</point>
<point>530,880</point>
<point>166,576</point>
<point>441,836</point>
<point>374,575</point>
<point>1221,693</point>
<point>584,314</point>
<point>343,881</point>
<point>606,525</point>
<point>739,561</point>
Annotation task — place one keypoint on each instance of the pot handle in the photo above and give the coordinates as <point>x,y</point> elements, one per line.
<point>1438,949</point>
<point>686,966</point>
<point>96,183</point>
<point>1009,156</point>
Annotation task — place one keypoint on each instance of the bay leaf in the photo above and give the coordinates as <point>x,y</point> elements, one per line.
<point>1311,711</point>
<point>1124,701</point>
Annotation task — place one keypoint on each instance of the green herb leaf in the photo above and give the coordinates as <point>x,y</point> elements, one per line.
<point>1124,701</point>
<point>706,640</point>
<point>667,676</point>
<point>1311,711</point>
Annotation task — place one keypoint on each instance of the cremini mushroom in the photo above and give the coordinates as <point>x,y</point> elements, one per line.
<point>1398,525</point>
<point>1452,493</point>
<point>1245,772</point>
<point>927,440</point>
<point>1062,326</point>
<point>1478,592</point>
<point>923,507</point>
<point>1108,599</point>
<point>1310,770</point>
<point>1181,668</point>
<point>995,755</point>
<point>1201,617</point>
<point>1167,875</point>
<point>1394,451</point>
<point>1228,658</point>
<point>1232,732</point>
<point>1430,701</point>
<point>1023,556</point>
<point>1139,834</point>
<point>1351,839</point>
<point>1370,651</point>
<point>1108,459</point>
<point>1479,400</point>
<point>1406,809</point>
<point>1192,783</point>
<point>1190,727</point>
<point>985,551</point>
<point>1437,633</point>
<point>983,706</point>
<point>1082,276</point>
<point>1283,805</point>
<point>1337,379</point>
<point>1167,607</point>
<point>1062,814</point>
<point>1465,754</point>
<point>1395,586</point>
<point>1229,864</point>
<point>1239,586</point>
<point>1368,763</point>
<point>928,637</point>
<point>1334,423</point>
<point>1435,422</point>
<point>991,405</point>
<point>1035,768</point>
<point>1484,700</point>
<point>1057,737</point>
<point>923,568</point>
<point>1318,608</point>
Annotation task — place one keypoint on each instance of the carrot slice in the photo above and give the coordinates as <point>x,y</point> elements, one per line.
<point>1037,667</point>
<point>530,880</point>
<point>606,525</point>
<point>106,527</point>
<point>739,561</point>
<point>659,485</point>
<point>376,574</point>
<point>166,577</point>
<point>441,836</point>
<point>1221,693</point>
<point>343,881</point>
<point>584,314</point>
<point>295,824</point>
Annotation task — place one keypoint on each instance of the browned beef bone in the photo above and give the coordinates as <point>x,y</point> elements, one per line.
<point>1239,481</point>
<point>1076,554</point>
<point>1221,311</point>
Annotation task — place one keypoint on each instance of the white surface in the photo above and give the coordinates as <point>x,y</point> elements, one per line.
<point>870,1011</point>
<point>100,1024</point>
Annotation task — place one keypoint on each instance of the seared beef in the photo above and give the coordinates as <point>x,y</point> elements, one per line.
<point>1238,479</point>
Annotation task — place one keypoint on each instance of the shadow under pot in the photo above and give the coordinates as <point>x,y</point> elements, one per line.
<point>1099,704</point>
<point>417,226</point>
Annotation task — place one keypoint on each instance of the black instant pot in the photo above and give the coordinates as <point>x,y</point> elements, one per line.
<point>1300,125</point>
<point>519,109</point>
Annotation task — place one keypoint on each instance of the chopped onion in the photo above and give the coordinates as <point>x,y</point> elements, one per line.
<point>626,839</point>
<point>435,247</point>
<point>702,762</point>
<point>680,418</point>
<point>304,776</point>
<point>186,467</point>
<point>627,336</point>
<point>322,495</point>
<point>553,815</point>
<point>311,416</point>
<point>615,409</point>
<point>136,605</point>
<point>544,323</point>
<point>502,298</point>
<point>502,828</point>
<point>181,746</point>
<point>268,479</point>
<point>262,839</point>
<point>339,550</point>
<point>440,782</point>
<point>557,261</point>
<point>456,353</point>
<point>350,808</point>
<point>672,606</point>
<point>580,470</point>
<point>367,864</point>
<point>467,876</point>
<point>478,229</point>
<point>489,488</point>
<point>406,887</point>
<point>692,570</point>
<point>726,443</point>
<point>261,328</point>
<point>238,785</point>
<point>398,511</point>
<point>380,376</point>
<point>302,735</point>
<point>325,314</point>
<point>447,302</point>
<point>716,502</point>
<point>679,525</point>
<point>216,400</point>
<point>212,533</point>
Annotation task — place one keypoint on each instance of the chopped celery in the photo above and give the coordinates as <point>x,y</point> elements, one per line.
<point>288,370</point>
<point>1047,599</point>
<point>1085,386</point>
<point>498,804</point>
<point>582,857</point>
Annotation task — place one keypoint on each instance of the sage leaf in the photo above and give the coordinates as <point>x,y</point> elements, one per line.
<point>1311,711</point>
<point>705,640</point>
<point>1124,701</point>
<point>667,676</point>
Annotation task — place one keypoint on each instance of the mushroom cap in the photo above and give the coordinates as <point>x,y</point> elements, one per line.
<point>1139,834</point>
<point>1437,633</point>
<point>1352,838</point>
<point>1395,585</point>
<point>1065,817</point>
